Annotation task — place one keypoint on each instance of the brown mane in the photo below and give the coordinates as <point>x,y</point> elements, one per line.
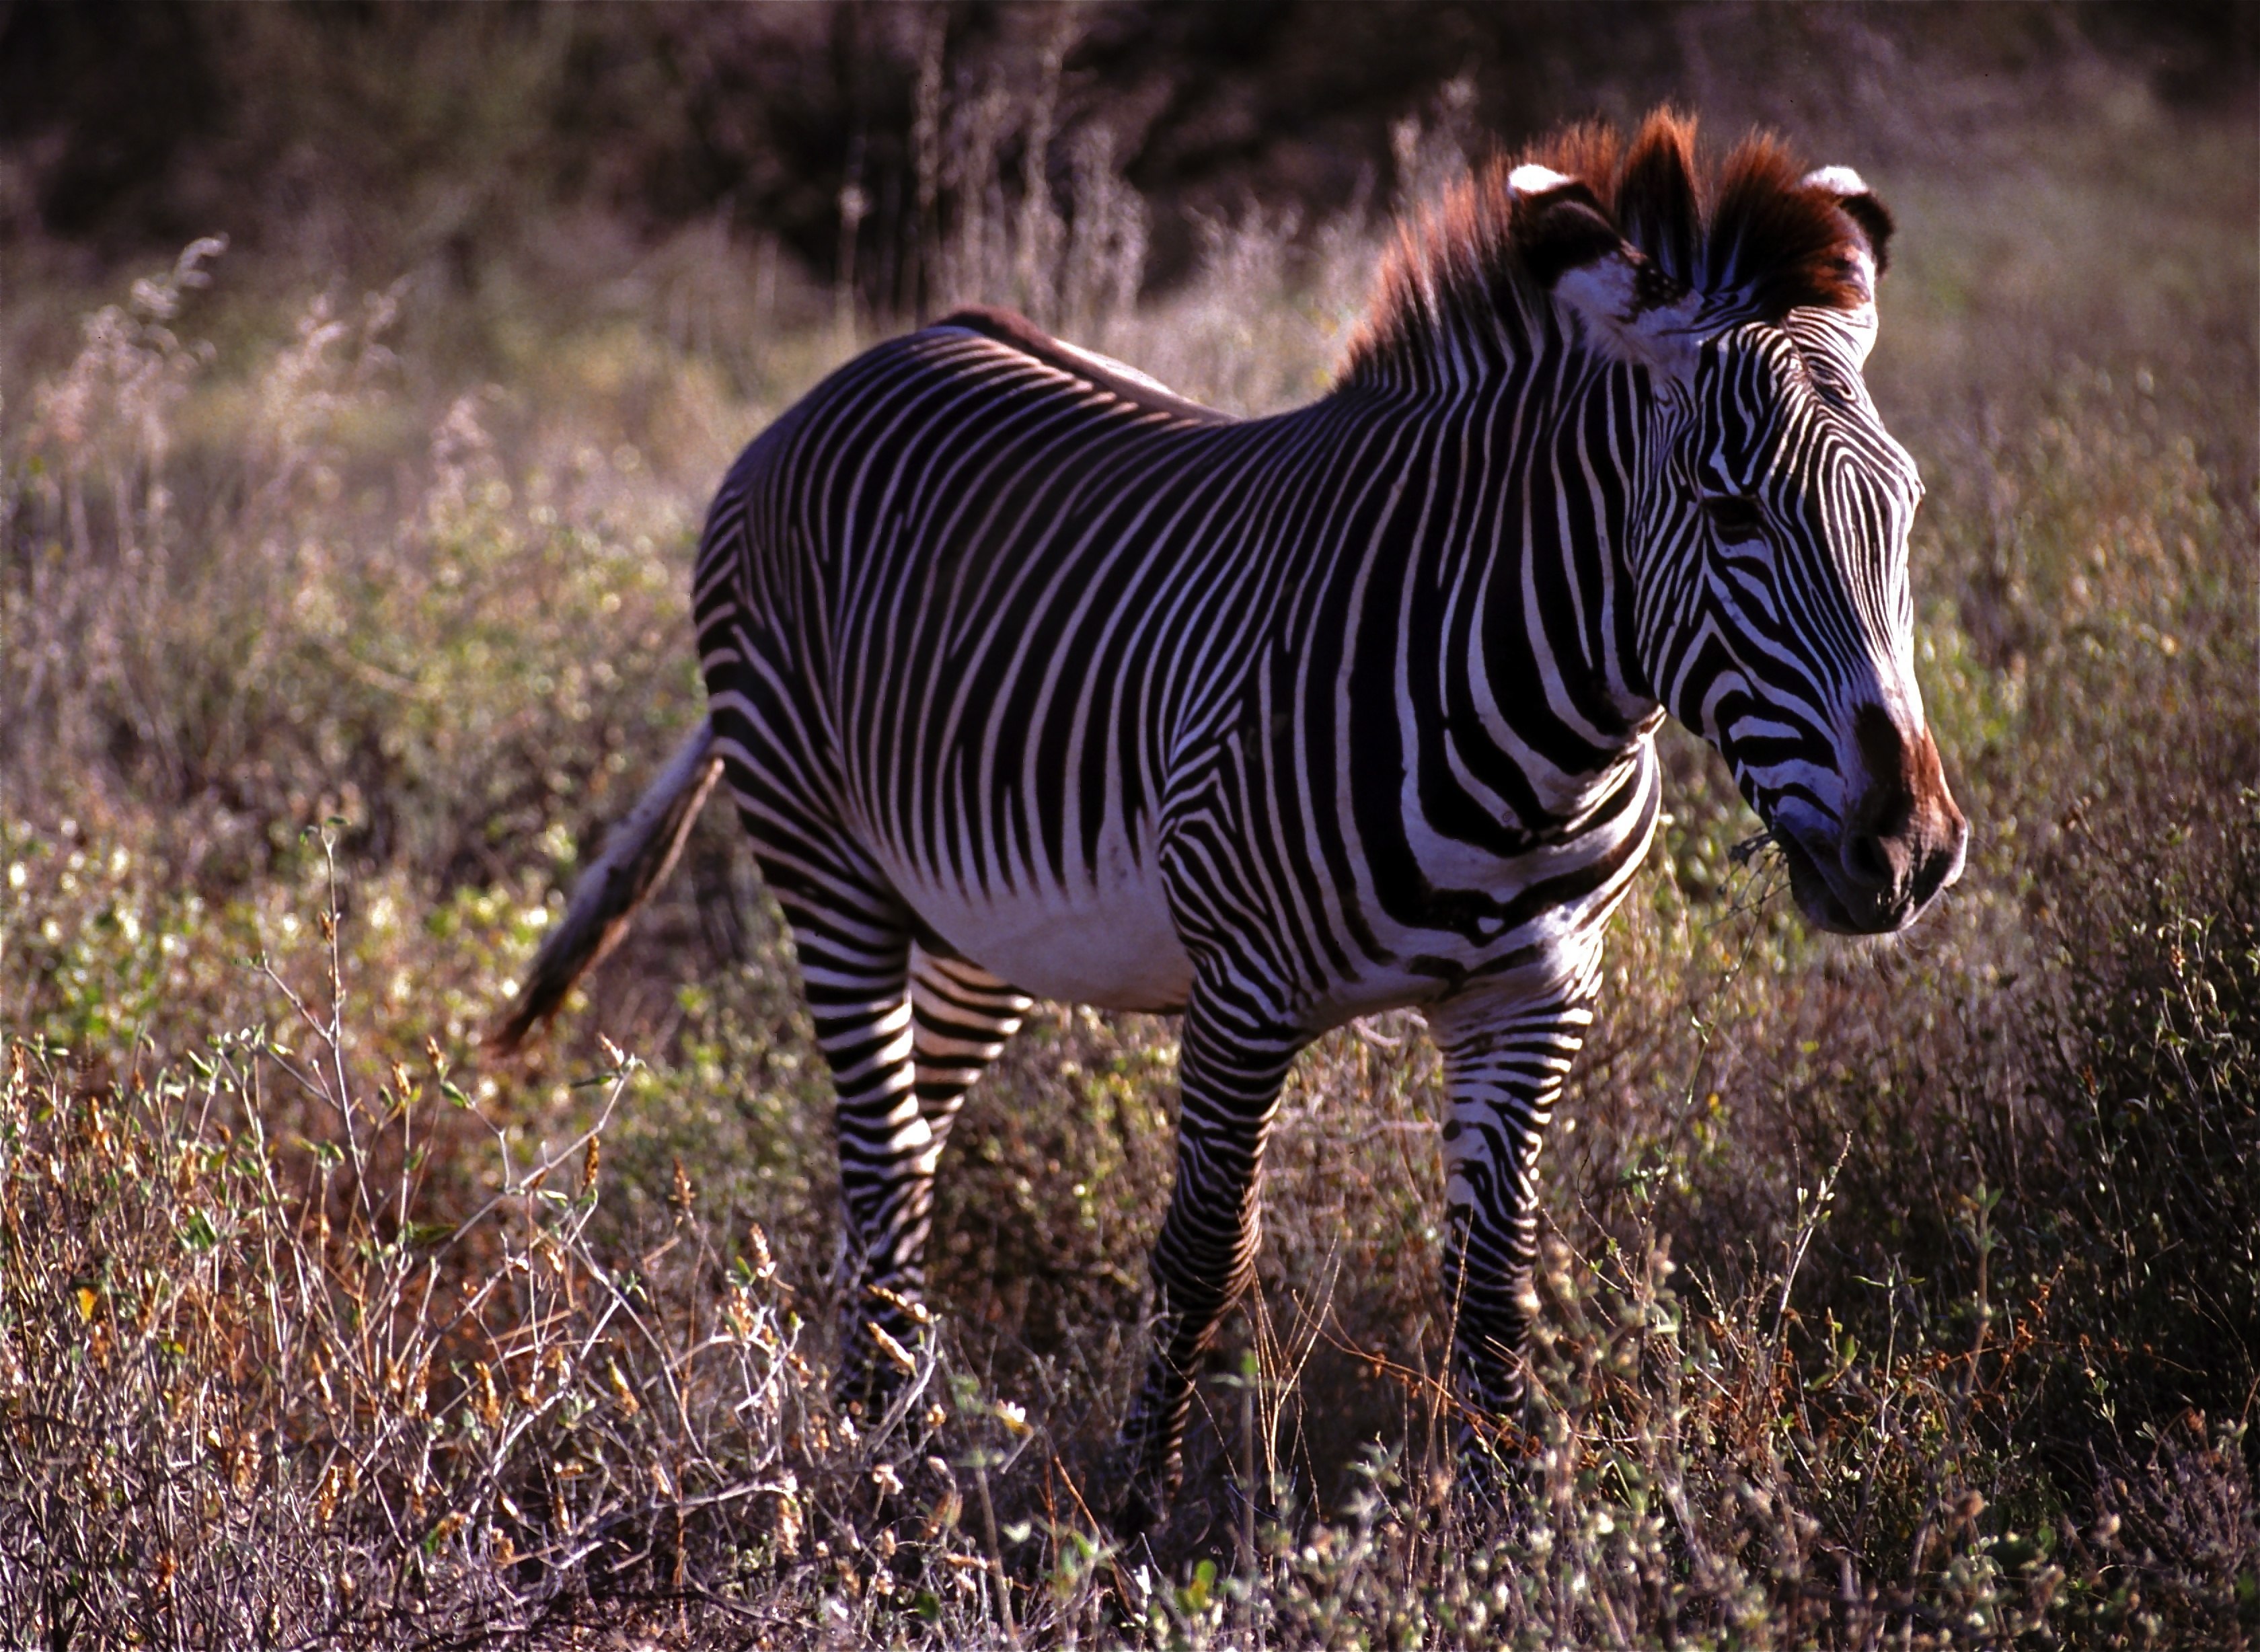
<point>1747,226</point>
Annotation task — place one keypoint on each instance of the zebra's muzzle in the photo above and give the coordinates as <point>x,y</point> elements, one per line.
<point>1816,896</point>
<point>1902,842</point>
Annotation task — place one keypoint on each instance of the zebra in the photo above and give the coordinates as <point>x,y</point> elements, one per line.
<point>1031,679</point>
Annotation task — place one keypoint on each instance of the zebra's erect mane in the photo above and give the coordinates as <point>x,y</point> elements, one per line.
<point>1755,228</point>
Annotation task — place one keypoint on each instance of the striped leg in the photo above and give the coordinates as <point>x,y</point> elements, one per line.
<point>1503,1066</point>
<point>852,937</point>
<point>1231,1064</point>
<point>960,1018</point>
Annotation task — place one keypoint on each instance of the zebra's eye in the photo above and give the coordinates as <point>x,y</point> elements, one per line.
<point>1735,520</point>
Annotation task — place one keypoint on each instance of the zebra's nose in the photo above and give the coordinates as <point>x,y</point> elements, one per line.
<point>1904,839</point>
<point>1869,860</point>
<point>1878,850</point>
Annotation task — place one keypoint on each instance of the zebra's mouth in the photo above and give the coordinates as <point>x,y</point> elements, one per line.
<point>1816,899</point>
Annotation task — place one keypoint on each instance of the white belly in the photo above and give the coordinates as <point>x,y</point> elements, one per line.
<point>1107,941</point>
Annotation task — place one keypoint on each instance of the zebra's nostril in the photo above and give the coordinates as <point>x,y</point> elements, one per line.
<point>1864,859</point>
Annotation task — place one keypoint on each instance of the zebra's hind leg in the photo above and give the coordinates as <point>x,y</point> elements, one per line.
<point>1504,1067</point>
<point>961,1017</point>
<point>852,936</point>
<point>1232,1061</point>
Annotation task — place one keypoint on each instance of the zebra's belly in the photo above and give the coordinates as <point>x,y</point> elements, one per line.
<point>1110,944</point>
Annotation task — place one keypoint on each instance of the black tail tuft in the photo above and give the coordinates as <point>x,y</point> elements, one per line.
<point>641,851</point>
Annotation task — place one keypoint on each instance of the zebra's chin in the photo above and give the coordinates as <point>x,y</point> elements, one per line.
<point>1815,898</point>
<point>1825,907</point>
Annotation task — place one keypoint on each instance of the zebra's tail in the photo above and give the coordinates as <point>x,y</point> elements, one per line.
<point>641,851</point>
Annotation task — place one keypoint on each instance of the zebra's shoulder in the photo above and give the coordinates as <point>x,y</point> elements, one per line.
<point>1117,378</point>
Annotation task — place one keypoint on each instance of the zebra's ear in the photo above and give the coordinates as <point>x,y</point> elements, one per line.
<point>1864,259</point>
<point>1858,203</point>
<point>1624,304</point>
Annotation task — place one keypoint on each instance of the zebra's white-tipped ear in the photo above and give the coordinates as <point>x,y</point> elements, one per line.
<point>1866,260</point>
<point>1624,304</point>
<point>1860,205</point>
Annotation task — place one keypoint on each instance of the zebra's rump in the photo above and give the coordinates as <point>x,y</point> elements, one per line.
<point>949,596</point>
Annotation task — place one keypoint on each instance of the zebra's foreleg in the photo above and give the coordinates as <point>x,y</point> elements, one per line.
<point>1230,1066</point>
<point>1504,1067</point>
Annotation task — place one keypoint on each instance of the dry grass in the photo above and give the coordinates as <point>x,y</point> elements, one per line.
<point>1898,1296</point>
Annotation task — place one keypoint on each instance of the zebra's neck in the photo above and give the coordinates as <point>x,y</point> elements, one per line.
<point>1490,569</point>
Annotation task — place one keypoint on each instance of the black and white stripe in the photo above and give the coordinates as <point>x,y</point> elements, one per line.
<point>1023,670</point>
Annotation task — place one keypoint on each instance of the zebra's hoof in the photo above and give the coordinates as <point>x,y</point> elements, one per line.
<point>878,1364</point>
<point>1497,1460</point>
<point>1142,1494</point>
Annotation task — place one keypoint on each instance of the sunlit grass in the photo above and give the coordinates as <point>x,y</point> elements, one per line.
<point>1893,1295</point>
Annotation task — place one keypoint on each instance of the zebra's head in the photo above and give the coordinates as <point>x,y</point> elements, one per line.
<point>1769,509</point>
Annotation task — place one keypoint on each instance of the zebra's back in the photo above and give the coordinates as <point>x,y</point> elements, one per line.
<point>1028,629</point>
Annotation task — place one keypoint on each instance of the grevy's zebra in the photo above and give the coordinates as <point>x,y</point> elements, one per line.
<point>1023,670</point>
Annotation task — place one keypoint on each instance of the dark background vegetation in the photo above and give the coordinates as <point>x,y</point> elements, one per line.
<point>1904,1295</point>
<point>434,129</point>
